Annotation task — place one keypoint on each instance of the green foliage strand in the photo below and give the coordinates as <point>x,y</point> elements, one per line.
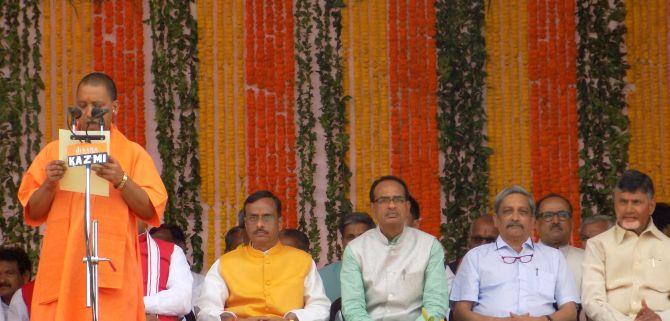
<point>174,68</point>
<point>461,118</point>
<point>603,126</point>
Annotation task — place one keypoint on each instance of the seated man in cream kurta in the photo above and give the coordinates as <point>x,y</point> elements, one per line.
<point>263,280</point>
<point>626,272</point>
<point>393,271</point>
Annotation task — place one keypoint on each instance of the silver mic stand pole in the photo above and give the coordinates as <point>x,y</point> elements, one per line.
<point>91,238</point>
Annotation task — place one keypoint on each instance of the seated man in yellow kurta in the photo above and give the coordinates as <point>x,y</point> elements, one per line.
<point>263,280</point>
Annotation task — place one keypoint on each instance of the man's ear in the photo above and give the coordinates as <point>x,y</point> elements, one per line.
<point>115,107</point>
<point>26,277</point>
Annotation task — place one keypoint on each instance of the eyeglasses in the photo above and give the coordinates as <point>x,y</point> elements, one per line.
<point>388,199</point>
<point>512,259</point>
<point>548,216</point>
<point>267,218</point>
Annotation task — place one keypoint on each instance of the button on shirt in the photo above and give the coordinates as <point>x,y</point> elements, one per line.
<point>621,268</point>
<point>498,288</point>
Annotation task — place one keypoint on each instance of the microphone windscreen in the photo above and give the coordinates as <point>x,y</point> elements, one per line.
<point>74,112</point>
<point>98,112</point>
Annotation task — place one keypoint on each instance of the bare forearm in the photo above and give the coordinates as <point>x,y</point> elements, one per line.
<point>463,311</point>
<point>39,203</point>
<point>567,312</point>
<point>138,200</point>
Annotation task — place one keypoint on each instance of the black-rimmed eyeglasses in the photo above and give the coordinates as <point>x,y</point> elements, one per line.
<point>548,215</point>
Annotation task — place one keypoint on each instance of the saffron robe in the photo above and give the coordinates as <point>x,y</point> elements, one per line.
<point>60,283</point>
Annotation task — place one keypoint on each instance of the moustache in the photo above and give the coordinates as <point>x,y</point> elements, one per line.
<point>514,225</point>
<point>5,285</point>
<point>260,231</point>
<point>557,226</point>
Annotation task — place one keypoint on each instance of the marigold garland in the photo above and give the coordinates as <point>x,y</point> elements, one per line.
<point>553,112</point>
<point>120,56</point>
<point>507,93</point>
<point>647,45</point>
<point>207,123</point>
<point>368,40</point>
<point>48,109</point>
<point>274,133</point>
<point>413,83</point>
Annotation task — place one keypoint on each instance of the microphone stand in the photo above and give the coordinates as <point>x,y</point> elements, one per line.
<point>91,235</point>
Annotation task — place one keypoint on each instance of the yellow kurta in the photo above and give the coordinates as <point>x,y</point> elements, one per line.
<point>270,284</point>
<point>60,288</point>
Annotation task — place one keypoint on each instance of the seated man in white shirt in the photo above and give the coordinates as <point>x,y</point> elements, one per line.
<point>263,280</point>
<point>174,234</point>
<point>15,270</point>
<point>167,279</point>
<point>554,223</point>
<point>513,278</point>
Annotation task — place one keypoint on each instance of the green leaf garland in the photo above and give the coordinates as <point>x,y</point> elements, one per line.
<point>603,126</point>
<point>328,22</point>
<point>20,136</point>
<point>174,68</point>
<point>461,118</point>
<point>306,121</point>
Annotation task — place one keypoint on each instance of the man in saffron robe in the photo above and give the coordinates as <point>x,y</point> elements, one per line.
<point>136,192</point>
<point>265,280</point>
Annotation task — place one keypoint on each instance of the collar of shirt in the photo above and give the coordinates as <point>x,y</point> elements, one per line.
<point>258,253</point>
<point>621,234</point>
<point>527,245</point>
<point>396,240</point>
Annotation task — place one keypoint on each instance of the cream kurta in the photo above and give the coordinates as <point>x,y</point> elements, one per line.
<point>621,269</point>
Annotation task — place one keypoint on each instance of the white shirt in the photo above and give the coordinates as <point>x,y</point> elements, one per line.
<point>450,277</point>
<point>176,299</point>
<point>16,310</point>
<point>198,279</point>
<point>214,293</point>
<point>498,288</point>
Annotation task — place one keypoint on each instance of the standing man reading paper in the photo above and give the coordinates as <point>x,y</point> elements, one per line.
<point>136,192</point>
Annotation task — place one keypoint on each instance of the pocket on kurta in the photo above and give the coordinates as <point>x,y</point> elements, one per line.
<point>112,246</point>
<point>411,285</point>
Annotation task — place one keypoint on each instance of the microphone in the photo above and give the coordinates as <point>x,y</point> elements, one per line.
<point>74,112</point>
<point>98,112</point>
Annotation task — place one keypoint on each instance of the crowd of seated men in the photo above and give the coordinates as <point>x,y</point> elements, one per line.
<point>520,264</point>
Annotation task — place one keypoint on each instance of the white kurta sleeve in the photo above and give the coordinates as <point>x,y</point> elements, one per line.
<point>213,296</point>
<point>317,305</point>
<point>176,299</point>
